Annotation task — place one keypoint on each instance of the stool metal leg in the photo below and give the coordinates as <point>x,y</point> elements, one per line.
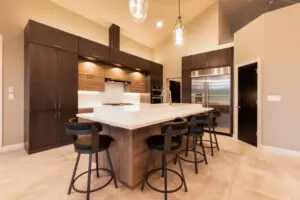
<point>97,165</point>
<point>165,177</point>
<point>181,170</point>
<point>187,145</point>
<point>216,140</point>
<point>111,168</point>
<point>203,149</point>
<point>88,191</point>
<point>147,169</point>
<point>74,173</point>
<point>163,165</point>
<point>211,143</point>
<point>195,154</point>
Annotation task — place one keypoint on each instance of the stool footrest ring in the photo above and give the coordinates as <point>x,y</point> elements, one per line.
<point>214,146</point>
<point>162,191</point>
<point>96,189</point>
<point>190,161</point>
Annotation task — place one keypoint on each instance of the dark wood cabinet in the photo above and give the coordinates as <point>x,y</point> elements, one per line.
<point>51,75</point>
<point>42,78</point>
<point>42,130</point>
<point>94,50</point>
<point>130,61</point>
<point>68,80</point>
<point>186,86</point>
<point>156,74</point>
<point>220,58</point>
<point>42,34</point>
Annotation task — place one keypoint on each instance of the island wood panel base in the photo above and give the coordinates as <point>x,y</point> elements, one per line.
<point>129,153</point>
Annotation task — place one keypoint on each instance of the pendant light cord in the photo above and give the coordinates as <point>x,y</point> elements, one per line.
<point>179,7</point>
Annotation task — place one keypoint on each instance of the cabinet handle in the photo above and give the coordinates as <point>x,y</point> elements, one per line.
<point>55,106</point>
<point>59,106</point>
<point>54,115</point>
<point>58,114</point>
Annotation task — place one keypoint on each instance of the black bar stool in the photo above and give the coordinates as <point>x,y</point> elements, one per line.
<point>196,130</point>
<point>211,125</point>
<point>168,143</point>
<point>88,141</point>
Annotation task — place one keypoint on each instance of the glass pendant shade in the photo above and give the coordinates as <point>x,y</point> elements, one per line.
<point>178,33</point>
<point>138,9</point>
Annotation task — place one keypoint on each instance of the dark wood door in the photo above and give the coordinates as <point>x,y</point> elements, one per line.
<point>43,77</point>
<point>63,117</point>
<point>43,129</point>
<point>247,115</point>
<point>68,80</point>
<point>175,88</point>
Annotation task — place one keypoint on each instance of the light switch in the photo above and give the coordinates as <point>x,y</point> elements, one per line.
<point>11,96</point>
<point>10,89</point>
<point>274,98</point>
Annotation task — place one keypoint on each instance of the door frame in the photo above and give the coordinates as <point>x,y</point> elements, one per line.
<point>1,80</point>
<point>259,98</point>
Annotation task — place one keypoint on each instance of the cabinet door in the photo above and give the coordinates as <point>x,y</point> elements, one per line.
<point>43,130</point>
<point>94,50</point>
<point>138,84</point>
<point>63,117</point>
<point>186,86</point>
<point>156,74</point>
<point>220,58</point>
<point>91,76</point>
<point>48,36</point>
<point>68,80</point>
<point>42,63</point>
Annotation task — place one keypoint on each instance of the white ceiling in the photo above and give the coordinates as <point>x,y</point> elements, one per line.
<point>106,12</point>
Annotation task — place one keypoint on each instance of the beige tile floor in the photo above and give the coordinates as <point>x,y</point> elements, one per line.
<point>237,172</point>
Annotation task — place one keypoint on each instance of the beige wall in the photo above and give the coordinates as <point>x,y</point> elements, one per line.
<point>202,34</point>
<point>275,38</point>
<point>14,16</point>
<point>1,90</point>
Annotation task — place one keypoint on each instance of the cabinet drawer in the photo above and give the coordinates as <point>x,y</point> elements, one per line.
<point>92,49</point>
<point>48,36</point>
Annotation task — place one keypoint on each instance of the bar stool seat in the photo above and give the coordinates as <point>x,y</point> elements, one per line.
<point>85,142</point>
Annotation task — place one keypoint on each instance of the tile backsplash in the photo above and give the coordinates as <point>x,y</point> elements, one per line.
<point>114,93</point>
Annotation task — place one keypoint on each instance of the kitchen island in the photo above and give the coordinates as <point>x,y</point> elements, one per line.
<point>130,126</point>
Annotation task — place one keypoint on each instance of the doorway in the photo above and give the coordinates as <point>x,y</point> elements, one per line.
<point>175,88</point>
<point>247,104</point>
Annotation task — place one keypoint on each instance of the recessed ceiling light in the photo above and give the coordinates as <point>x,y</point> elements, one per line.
<point>159,24</point>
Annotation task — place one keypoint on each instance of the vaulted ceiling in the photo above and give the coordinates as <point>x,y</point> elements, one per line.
<point>106,12</point>
<point>241,12</point>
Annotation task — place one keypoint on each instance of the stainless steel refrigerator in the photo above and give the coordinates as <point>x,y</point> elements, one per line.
<point>212,88</point>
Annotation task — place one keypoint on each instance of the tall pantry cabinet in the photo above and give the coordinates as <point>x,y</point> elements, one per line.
<point>51,84</point>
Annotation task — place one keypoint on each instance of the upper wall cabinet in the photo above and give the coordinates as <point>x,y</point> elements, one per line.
<point>156,74</point>
<point>48,36</point>
<point>90,76</point>
<point>137,84</point>
<point>128,60</point>
<point>219,58</point>
<point>197,61</point>
<point>94,50</point>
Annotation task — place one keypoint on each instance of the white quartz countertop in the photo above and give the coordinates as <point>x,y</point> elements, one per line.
<point>142,115</point>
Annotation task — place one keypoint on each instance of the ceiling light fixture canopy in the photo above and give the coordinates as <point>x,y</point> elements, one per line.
<point>178,29</point>
<point>138,10</point>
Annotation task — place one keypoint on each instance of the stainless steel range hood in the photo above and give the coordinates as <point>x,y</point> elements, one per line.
<point>111,80</point>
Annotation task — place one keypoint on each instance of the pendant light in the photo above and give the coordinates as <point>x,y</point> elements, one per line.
<point>178,32</point>
<point>138,10</point>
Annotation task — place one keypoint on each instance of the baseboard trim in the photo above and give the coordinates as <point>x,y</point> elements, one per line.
<point>13,147</point>
<point>281,151</point>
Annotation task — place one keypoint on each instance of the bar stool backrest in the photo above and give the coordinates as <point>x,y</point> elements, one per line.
<point>174,129</point>
<point>197,123</point>
<point>216,113</point>
<point>76,129</point>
